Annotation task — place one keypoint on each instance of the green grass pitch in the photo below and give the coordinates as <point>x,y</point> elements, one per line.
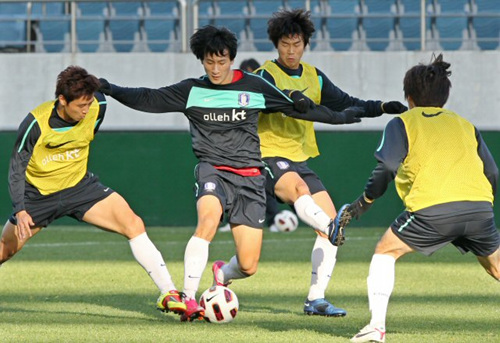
<point>80,284</point>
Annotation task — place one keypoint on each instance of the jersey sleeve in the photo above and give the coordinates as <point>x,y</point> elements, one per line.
<point>166,99</point>
<point>102,110</point>
<point>391,152</point>
<point>490,167</point>
<point>337,100</point>
<point>27,136</point>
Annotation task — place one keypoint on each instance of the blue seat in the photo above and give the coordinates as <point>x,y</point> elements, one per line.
<point>451,23</point>
<point>90,25</point>
<point>12,35</point>
<point>377,28</point>
<point>487,28</point>
<point>54,24</point>
<point>222,13</point>
<point>93,9</point>
<point>13,8</point>
<point>12,25</point>
<point>161,25</point>
<point>258,23</point>
<point>159,33</point>
<point>54,34</point>
<point>124,24</point>
<point>342,28</point>
<point>409,23</point>
<point>89,34</point>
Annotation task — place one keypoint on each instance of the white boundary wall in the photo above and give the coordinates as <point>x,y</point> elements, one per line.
<point>29,79</point>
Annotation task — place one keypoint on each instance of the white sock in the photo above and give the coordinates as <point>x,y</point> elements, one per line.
<point>195,261</point>
<point>311,213</point>
<point>232,271</point>
<point>152,261</point>
<point>323,258</point>
<point>380,285</point>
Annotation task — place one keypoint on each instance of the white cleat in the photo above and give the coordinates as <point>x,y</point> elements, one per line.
<point>369,334</point>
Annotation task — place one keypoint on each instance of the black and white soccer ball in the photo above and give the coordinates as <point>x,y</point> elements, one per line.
<point>285,221</point>
<point>220,303</point>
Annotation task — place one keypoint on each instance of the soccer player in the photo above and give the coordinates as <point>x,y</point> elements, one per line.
<point>223,108</point>
<point>48,179</point>
<point>287,144</point>
<point>447,179</point>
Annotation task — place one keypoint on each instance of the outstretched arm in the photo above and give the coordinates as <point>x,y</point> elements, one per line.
<point>161,100</point>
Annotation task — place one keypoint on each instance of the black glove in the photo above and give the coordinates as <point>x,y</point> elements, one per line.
<point>105,87</point>
<point>393,107</point>
<point>350,115</point>
<point>301,103</point>
<point>359,206</point>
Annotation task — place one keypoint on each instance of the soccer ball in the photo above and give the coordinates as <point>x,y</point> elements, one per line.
<point>220,304</point>
<point>286,221</point>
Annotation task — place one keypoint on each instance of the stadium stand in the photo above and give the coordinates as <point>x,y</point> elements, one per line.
<point>91,26</point>
<point>12,27</point>
<point>125,25</point>
<point>486,25</point>
<point>53,29</point>
<point>160,26</point>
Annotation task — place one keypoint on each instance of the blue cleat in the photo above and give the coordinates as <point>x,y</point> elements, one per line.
<point>321,307</point>
<point>336,227</point>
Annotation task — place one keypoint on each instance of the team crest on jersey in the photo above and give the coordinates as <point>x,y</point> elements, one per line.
<point>283,165</point>
<point>209,186</point>
<point>243,99</point>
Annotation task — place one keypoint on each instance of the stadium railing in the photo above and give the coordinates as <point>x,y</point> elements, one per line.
<point>165,25</point>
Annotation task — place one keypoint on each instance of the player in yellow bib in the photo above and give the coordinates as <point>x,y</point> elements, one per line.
<point>287,143</point>
<point>48,179</point>
<point>446,178</point>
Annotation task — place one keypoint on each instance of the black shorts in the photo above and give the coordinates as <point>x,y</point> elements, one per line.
<point>243,198</point>
<point>276,167</point>
<point>73,202</point>
<point>475,232</point>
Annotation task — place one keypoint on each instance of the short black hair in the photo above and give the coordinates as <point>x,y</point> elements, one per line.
<point>75,82</point>
<point>287,23</point>
<point>213,40</point>
<point>249,65</point>
<point>428,85</point>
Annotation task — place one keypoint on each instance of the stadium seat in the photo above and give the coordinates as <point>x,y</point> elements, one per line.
<point>451,22</point>
<point>53,25</point>
<point>12,26</point>
<point>89,34</point>
<point>342,24</point>
<point>124,24</point>
<point>378,23</point>
<point>259,14</point>
<point>487,28</point>
<point>91,25</point>
<point>13,8</point>
<point>12,35</point>
<point>162,26</point>
<point>409,24</point>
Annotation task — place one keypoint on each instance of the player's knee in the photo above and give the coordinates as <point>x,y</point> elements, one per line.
<point>5,253</point>
<point>134,227</point>
<point>249,270</point>
<point>207,228</point>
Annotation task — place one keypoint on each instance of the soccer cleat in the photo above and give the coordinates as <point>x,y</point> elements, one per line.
<point>321,307</point>
<point>336,226</point>
<point>369,334</point>
<point>193,311</point>
<point>171,301</point>
<point>218,278</point>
